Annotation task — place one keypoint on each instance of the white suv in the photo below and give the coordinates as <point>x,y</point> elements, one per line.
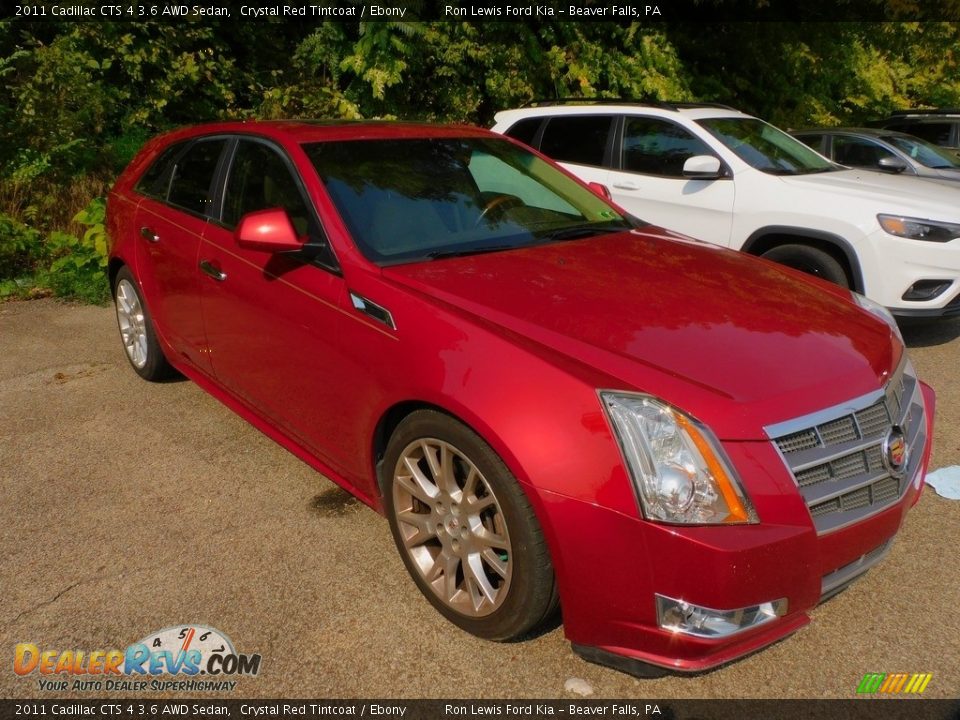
<point>719,175</point>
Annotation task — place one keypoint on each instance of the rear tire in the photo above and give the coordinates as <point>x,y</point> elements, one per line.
<point>465,529</point>
<point>810,260</point>
<point>136,329</point>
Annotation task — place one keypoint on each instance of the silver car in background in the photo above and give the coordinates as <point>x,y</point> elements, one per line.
<point>883,150</point>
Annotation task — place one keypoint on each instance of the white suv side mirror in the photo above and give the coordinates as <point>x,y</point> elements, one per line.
<point>702,167</point>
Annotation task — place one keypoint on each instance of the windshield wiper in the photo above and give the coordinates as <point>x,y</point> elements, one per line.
<point>464,252</point>
<point>579,231</point>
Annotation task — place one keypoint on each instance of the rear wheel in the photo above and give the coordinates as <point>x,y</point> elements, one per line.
<point>465,529</point>
<point>810,260</point>
<point>136,329</point>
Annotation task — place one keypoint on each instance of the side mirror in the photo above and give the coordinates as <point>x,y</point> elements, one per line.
<point>892,164</point>
<point>268,231</point>
<point>600,189</point>
<point>702,167</point>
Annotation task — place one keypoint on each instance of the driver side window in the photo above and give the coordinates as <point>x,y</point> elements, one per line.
<point>858,152</point>
<point>260,179</point>
<point>657,147</point>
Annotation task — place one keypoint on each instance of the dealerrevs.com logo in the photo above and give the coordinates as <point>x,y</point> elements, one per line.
<point>183,658</point>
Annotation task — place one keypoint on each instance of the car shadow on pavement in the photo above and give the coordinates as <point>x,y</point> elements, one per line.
<point>927,333</point>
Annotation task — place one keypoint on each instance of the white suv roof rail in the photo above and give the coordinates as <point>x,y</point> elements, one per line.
<point>925,111</point>
<point>662,104</point>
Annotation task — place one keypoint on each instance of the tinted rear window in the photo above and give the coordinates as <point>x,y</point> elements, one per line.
<point>525,131</point>
<point>812,141</point>
<point>193,176</point>
<point>578,139</point>
<point>156,180</point>
<point>935,132</point>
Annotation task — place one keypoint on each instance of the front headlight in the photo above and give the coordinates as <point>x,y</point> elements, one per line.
<point>679,472</point>
<point>918,229</point>
<point>877,309</point>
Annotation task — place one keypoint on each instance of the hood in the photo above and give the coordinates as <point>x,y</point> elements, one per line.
<point>931,197</point>
<point>735,341</point>
<point>946,173</point>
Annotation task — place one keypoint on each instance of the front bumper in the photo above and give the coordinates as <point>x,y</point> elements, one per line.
<point>892,265</point>
<point>608,605</point>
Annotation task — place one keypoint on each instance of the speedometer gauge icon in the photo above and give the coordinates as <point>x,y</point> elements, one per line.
<point>185,638</point>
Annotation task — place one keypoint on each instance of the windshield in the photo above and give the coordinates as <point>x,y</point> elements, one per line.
<point>923,152</point>
<point>426,198</point>
<point>764,147</point>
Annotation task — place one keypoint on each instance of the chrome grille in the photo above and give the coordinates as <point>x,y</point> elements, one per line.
<point>858,463</point>
<point>838,431</point>
<point>873,421</point>
<point>836,456</point>
<point>798,441</point>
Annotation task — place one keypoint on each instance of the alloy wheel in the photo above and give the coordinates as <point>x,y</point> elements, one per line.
<point>452,527</point>
<point>133,329</point>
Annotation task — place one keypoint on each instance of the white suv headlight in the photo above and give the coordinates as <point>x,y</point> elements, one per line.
<point>679,472</point>
<point>918,229</point>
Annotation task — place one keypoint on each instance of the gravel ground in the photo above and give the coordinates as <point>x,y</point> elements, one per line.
<point>129,507</point>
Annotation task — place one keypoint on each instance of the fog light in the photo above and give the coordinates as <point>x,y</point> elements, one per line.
<point>682,617</point>
<point>926,289</point>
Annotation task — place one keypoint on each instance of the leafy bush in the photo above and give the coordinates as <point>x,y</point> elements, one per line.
<point>21,248</point>
<point>78,269</point>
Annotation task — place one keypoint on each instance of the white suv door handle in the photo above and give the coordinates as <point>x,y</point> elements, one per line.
<point>626,185</point>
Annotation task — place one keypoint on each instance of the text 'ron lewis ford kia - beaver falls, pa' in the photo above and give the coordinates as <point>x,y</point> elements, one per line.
<point>555,404</point>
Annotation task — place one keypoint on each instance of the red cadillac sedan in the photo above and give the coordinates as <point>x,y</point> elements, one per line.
<point>555,404</point>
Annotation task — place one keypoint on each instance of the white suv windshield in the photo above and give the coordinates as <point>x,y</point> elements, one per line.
<point>766,148</point>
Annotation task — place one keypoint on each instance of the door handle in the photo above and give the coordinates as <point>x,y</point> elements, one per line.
<point>626,185</point>
<point>149,234</point>
<point>211,270</point>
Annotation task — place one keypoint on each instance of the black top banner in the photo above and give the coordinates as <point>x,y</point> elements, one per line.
<point>624,11</point>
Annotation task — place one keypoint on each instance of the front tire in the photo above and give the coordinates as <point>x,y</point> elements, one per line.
<point>465,529</point>
<point>810,260</point>
<point>136,330</point>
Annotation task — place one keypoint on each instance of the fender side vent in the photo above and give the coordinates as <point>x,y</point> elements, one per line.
<point>377,312</point>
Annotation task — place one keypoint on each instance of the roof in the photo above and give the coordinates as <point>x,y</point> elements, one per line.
<point>692,111</point>
<point>300,131</point>
<point>872,132</point>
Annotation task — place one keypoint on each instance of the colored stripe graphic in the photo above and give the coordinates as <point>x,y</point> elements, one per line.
<point>894,683</point>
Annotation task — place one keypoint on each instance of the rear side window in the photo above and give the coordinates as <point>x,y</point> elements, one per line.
<point>813,141</point>
<point>937,133</point>
<point>578,139</point>
<point>525,131</point>
<point>657,147</point>
<point>156,180</point>
<point>192,182</point>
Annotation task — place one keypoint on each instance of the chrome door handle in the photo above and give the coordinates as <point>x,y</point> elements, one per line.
<point>149,234</point>
<point>626,186</point>
<point>212,271</point>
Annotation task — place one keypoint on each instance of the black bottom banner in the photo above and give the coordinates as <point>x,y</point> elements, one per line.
<point>861,709</point>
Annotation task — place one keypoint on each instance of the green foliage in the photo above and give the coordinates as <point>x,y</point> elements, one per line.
<point>77,100</point>
<point>21,248</point>
<point>78,268</point>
